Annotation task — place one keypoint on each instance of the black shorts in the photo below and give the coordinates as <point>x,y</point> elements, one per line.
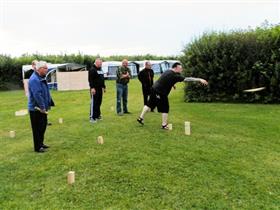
<point>159,101</point>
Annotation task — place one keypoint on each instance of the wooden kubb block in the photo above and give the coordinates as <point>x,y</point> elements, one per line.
<point>71,177</point>
<point>60,120</point>
<point>170,127</point>
<point>100,140</point>
<point>188,128</point>
<point>12,134</point>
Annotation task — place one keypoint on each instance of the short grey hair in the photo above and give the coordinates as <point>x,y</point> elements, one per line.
<point>40,64</point>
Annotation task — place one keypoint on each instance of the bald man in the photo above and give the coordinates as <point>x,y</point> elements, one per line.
<point>123,77</point>
<point>146,77</point>
<point>97,88</point>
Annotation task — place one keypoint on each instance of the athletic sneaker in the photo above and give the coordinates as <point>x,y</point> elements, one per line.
<point>100,118</point>
<point>93,121</point>
<point>140,120</point>
<point>165,127</point>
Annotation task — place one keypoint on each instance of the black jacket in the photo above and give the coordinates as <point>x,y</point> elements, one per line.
<point>96,77</point>
<point>146,77</point>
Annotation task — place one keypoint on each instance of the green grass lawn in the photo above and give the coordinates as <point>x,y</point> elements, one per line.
<point>231,160</point>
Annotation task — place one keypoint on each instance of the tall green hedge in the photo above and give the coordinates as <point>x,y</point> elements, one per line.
<point>233,62</point>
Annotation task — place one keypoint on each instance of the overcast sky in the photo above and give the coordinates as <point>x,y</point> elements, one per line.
<point>117,27</point>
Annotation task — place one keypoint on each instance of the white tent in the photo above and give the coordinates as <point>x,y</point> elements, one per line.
<point>158,66</point>
<point>110,67</point>
<point>67,76</point>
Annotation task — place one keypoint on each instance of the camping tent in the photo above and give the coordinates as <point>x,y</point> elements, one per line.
<point>67,76</point>
<point>110,67</point>
<point>158,66</point>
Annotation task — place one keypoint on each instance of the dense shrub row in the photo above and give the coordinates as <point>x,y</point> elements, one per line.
<point>235,61</point>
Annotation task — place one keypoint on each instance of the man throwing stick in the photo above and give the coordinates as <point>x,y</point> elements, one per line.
<point>161,89</point>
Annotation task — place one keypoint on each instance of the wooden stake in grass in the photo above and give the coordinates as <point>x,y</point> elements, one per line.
<point>21,112</point>
<point>188,128</point>
<point>12,134</point>
<point>60,120</point>
<point>71,177</point>
<point>100,140</point>
<point>170,127</point>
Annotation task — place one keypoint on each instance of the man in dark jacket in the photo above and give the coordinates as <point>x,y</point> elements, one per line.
<point>146,77</point>
<point>39,102</point>
<point>97,87</point>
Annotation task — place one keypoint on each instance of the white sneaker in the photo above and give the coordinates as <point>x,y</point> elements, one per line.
<point>93,121</point>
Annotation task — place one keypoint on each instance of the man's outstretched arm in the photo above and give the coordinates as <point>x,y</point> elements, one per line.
<point>194,79</point>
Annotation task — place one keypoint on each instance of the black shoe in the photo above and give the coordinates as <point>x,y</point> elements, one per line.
<point>41,150</point>
<point>45,146</point>
<point>127,112</point>
<point>140,120</point>
<point>165,127</point>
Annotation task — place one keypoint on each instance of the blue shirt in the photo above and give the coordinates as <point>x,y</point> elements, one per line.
<point>39,94</point>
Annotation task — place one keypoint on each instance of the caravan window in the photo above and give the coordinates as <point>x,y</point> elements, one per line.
<point>51,79</point>
<point>164,66</point>
<point>133,69</point>
<point>156,68</point>
<point>112,70</point>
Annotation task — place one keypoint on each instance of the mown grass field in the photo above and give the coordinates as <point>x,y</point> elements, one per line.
<point>231,160</point>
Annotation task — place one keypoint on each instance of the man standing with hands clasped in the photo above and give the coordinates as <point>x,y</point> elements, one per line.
<point>97,87</point>
<point>161,90</point>
<point>39,102</point>
<point>146,77</point>
<point>123,77</point>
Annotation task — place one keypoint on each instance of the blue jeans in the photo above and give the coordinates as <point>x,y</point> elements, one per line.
<point>122,91</point>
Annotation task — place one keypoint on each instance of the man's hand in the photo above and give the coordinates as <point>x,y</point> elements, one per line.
<point>126,75</point>
<point>92,91</point>
<point>43,111</point>
<point>203,81</point>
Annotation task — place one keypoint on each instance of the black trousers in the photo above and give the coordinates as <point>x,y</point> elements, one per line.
<point>39,123</point>
<point>95,104</point>
<point>146,93</point>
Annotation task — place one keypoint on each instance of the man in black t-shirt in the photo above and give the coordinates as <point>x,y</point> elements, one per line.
<point>161,89</point>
